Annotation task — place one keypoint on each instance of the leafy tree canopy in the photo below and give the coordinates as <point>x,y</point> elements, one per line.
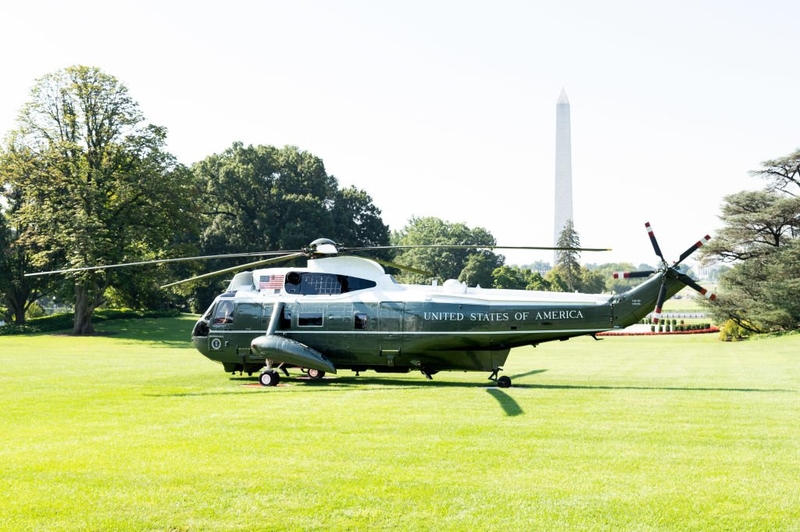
<point>519,278</point>
<point>782,174</point>
<point>259,198</point>
<point>761,290</point>
<point>756,223</point>
<point>97,185</point>
<point>446,263</point>
<point>17,292</point>
<point>266,198</point>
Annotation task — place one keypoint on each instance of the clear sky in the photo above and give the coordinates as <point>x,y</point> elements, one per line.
<point>447,108</point>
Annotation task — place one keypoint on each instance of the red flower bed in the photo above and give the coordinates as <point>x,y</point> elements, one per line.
<point>656,333</point>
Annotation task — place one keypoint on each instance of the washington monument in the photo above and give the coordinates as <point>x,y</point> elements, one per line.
<point>563,204</point>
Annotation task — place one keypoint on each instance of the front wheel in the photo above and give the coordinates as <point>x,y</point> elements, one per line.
<point>504,382</point>
<point>269,378</point>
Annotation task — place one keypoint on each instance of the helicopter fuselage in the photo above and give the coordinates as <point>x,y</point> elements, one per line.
<point>345,312</point>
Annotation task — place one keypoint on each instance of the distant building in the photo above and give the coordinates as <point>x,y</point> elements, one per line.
<point>563,188</point>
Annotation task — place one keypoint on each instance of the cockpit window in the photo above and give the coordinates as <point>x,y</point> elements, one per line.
<point>312,283</point>
<point>224,311</point>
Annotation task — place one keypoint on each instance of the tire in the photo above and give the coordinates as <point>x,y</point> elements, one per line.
<point>269,378</point>
<point>504,382</point>
<point>315,374</point>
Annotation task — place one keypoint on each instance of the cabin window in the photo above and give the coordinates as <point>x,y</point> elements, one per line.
<point>362,320</point>
<point>309,319</point>
<point>224,311</point>
<point>248,316</point>
<point>312,283</point>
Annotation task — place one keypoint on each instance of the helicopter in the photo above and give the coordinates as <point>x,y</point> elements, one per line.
<point>342,311</point>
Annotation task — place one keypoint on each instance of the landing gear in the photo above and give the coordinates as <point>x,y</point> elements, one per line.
<point>502,382</point>
<point>269,377</point>
<point>315,374</point>
<point>429,373</point>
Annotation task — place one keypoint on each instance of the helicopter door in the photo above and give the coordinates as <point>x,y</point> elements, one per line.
<point>390,323</point>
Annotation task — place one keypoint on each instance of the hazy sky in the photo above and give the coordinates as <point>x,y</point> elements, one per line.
<point>447,108</point>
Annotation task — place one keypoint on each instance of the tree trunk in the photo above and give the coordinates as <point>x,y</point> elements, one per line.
<point>83,311</point>
<point>16,301</point>
<point>19,316</point>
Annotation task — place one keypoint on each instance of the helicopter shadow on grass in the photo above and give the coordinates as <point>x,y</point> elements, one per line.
<point>302,384</point>
<point>374,383</point>
<point>381,383</point>
<point>506,402</point>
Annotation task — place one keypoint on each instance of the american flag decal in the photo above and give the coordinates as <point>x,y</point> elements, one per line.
<point>270,282</point>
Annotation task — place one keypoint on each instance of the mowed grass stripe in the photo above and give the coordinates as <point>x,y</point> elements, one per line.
<point>137,431</point>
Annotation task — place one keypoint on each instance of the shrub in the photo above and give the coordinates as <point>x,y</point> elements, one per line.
<point>732,332</point>
<point>34,311</point>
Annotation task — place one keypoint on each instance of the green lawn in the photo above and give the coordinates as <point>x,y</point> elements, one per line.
<point>136,431</point>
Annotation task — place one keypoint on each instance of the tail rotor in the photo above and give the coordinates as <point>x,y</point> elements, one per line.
<point>667,270</point>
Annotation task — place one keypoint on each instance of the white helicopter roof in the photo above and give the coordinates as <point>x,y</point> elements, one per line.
<point>363,268</point>
<point>341,265</point>
<point>347,265</point>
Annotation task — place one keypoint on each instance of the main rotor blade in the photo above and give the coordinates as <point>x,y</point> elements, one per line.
<point>685,279</point>
<point>653,240</point>
<point>471,246</point>
<point>697,245</point>
<point>662,295</point>
<point>633,275</point>
<point>157,261</point>
<point>237,268</point>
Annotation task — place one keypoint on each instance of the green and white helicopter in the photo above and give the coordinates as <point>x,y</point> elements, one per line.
<point>344,312</point>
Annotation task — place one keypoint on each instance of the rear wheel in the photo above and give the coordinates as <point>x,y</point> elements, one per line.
<point>316,374</point>
<point>504,382</point>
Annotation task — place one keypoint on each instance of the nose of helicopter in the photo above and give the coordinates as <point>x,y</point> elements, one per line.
<point>200,336</point>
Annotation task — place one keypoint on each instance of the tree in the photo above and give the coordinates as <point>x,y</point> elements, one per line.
<point>519,278</point>
<point>259,198</point>
<point>356,221</point>
<point>98,186</point>
<point>444,263</point>
<point>761,290</point>
<point>782,173</point>
<point>510,277</point>
<point>263,198</point>
<point>755,224</point>
<point>537,282</point>
<point>556,282</point>
<point>17,292</point>
<point>568,265</point>
<point>539,266</point>
<point>478,269</point>
<point>606,271</point>
<point>762,295</point>
<point>592,281</point>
